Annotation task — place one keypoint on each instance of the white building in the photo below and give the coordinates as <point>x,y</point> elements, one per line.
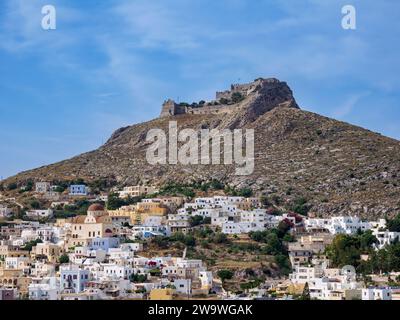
<point>178,222</point>
<point>5,212</point>
<point>73,278</point>
<point>257,216</point>
<point>17,263</point>
<point>78,190</point>
<point>327,284</point>
<point>338,225</point>
<point>42,187</point>
<point>376,294</point>
<point>231,227</point>
<point>385,238</point>
<point>218,218</point>
<point>46,289</point>
<point>206,279</point>
<point>301,275</point>
<point>39,214</point>
<point>114,271</point>
<point>45,233</point>
<point>137,191</point>
<point>183,286</point>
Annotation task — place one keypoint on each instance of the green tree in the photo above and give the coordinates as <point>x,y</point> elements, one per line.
<point>223,101</point>
<point>177,236</point>
<point>29,186</point>
<point>265,201</point>
<point>155,272</point>
<point>60,189</point>
<point>284,264</point>
<point>207,220</point>
<point>190,241</point>
<point>300,206</point>
<point>136,277</point>
<point>29,245</point>
<point>12,186</point>
<point>306,293</point>
<point>225,274</point>
<point>219,238</point>
<point>64,259</point>
<point>34,204</point>
<point>344,250</point>
<point>245,192</point>
<point>367,239</point>
<point>196,220</point>
<point>114,202</point>
<point>394,224</point>
<point>237,97</point>
<point>273,244</point>
<point>258,236</point>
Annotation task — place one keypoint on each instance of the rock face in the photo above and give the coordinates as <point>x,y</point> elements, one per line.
<point>338,167</point>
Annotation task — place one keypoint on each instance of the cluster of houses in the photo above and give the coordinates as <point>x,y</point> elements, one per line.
<point>84,258</point>
<point>100,255</point>
<point>312,269</point>
<point>50,191</point>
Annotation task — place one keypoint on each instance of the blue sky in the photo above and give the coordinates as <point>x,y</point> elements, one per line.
<point>112,63</point>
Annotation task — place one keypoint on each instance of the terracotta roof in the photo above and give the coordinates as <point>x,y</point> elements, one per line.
<point>101,219</point>
<point>78,219</point>
<point>96,207</point>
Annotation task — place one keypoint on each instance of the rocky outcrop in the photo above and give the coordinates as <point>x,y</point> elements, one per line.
<point>253,99</point>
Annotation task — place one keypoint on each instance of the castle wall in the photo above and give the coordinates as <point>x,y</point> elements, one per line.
<point>223,95</point>
<point>262,86</point>
<point>211,110</point>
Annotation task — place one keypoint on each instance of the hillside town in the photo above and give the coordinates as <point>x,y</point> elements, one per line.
<point>138,243</point>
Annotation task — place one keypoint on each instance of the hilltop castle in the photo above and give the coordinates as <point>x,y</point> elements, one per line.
<point>271,91</point>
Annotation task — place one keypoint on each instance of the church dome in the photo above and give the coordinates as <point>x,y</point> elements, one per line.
<point>96,207</point>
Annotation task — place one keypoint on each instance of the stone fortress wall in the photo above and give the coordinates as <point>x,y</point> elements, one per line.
<point>219,105</point>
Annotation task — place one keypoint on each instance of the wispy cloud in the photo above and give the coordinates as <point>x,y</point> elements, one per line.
<point>113,62</point>
<point>21,29</point>
<point>348,106</point>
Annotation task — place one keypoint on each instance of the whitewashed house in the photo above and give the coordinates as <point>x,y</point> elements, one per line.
<point>5,212</point>
<point>48,288</point>
<point>376,294</point>
<point>78,190</point>
<point>39,214</point>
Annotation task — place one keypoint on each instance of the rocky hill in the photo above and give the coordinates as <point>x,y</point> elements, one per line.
<point>339,168</point>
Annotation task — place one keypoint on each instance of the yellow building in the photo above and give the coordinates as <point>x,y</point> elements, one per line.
<point>162,294</point>
<point>9,251</point>
<point>60,223</point>
<point>140,212</point>
<point>137,191</point>
<point>151,207</point>
<point>50,250</point>
<point>170,202</point>
<point>14,278</point>
<point>96,224</point>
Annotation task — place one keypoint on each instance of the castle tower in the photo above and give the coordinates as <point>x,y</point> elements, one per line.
<point>168,108</point>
